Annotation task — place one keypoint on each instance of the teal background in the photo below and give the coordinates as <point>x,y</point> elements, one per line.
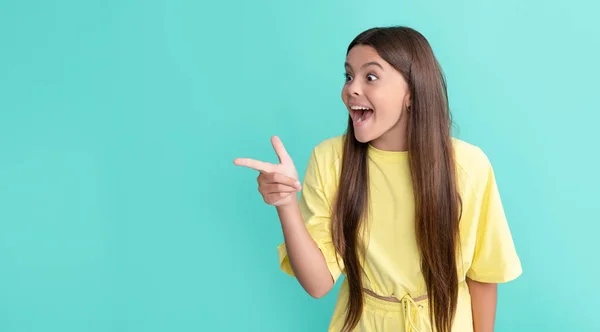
<point>121,209</point>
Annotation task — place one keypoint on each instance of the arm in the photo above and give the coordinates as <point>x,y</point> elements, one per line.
<point>278,184</point>
<point>483,304</point>
<point>305,257</point>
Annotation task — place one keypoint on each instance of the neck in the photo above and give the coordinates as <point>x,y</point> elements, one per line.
<point>394,139</point>
<point>396,145</point>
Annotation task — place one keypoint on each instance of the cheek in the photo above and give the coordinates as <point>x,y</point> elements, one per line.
<point>390,101</point>
<point>384,102</point>
<point>344,93</point>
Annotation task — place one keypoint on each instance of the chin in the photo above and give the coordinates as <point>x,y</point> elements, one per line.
<point>363,138</point>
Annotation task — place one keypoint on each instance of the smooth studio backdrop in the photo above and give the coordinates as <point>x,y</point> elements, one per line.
<point>120,206</point>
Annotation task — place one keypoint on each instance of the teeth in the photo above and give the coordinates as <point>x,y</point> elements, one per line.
<point>360,108</point>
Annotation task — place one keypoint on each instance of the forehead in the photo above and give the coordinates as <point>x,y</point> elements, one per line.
<point>361,54</point>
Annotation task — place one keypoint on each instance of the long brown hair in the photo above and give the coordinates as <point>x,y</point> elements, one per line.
<point>431,160</point>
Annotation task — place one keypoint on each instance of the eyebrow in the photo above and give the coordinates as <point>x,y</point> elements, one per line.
<point>372,63</point>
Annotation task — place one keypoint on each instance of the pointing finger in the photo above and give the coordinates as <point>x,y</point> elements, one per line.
<point>260,166</point>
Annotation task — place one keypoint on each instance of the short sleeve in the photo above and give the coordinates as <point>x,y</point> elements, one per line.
<point>315,208</point>
<point>495,259</point>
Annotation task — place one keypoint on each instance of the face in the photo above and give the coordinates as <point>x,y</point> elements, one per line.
<point>376,95</point>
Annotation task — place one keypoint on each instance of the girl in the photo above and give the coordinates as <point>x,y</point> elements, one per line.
<point>409,214</point>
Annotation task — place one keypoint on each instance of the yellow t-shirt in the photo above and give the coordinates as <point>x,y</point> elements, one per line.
<point>392,262</point>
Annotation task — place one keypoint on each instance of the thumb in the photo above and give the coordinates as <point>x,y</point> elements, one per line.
<point>282,154</point>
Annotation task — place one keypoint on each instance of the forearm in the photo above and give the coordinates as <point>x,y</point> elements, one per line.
<point>306,259</point>
<point>483,305</point>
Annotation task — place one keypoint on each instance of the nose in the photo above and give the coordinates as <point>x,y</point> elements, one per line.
<point>354,88</point>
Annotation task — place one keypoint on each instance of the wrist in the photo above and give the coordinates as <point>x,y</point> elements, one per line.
<point>286,211</point>
<point>288,206</point>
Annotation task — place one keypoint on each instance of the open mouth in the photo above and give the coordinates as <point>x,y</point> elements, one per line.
<point>360,114</point>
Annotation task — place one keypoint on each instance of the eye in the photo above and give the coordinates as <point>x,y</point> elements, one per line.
<point>348,77</point>
<point>371,77</point>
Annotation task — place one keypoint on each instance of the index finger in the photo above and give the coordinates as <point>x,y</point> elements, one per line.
<point>258,165</point>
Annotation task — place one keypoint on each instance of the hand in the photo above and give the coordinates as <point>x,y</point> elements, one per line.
<point>277,183</point>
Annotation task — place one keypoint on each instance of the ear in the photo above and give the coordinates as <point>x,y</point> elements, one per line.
<point>408,101</point>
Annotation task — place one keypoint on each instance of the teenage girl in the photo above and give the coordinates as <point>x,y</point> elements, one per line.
<point>409,214</point>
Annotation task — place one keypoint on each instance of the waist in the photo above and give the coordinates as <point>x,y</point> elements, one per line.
<point>411,308</point>
<point>392,303</point>
<point>392,298</point>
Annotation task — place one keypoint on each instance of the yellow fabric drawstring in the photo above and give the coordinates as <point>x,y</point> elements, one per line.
<point>411,311</point>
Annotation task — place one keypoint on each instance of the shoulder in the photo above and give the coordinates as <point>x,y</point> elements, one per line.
<point>331,145</point>
<point>326,159</point>
<point>470,157</point>
<point>472,163</point>
<point>329,150</point>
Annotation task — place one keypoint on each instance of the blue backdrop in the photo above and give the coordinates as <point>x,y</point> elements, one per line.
<point>120,206</point>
